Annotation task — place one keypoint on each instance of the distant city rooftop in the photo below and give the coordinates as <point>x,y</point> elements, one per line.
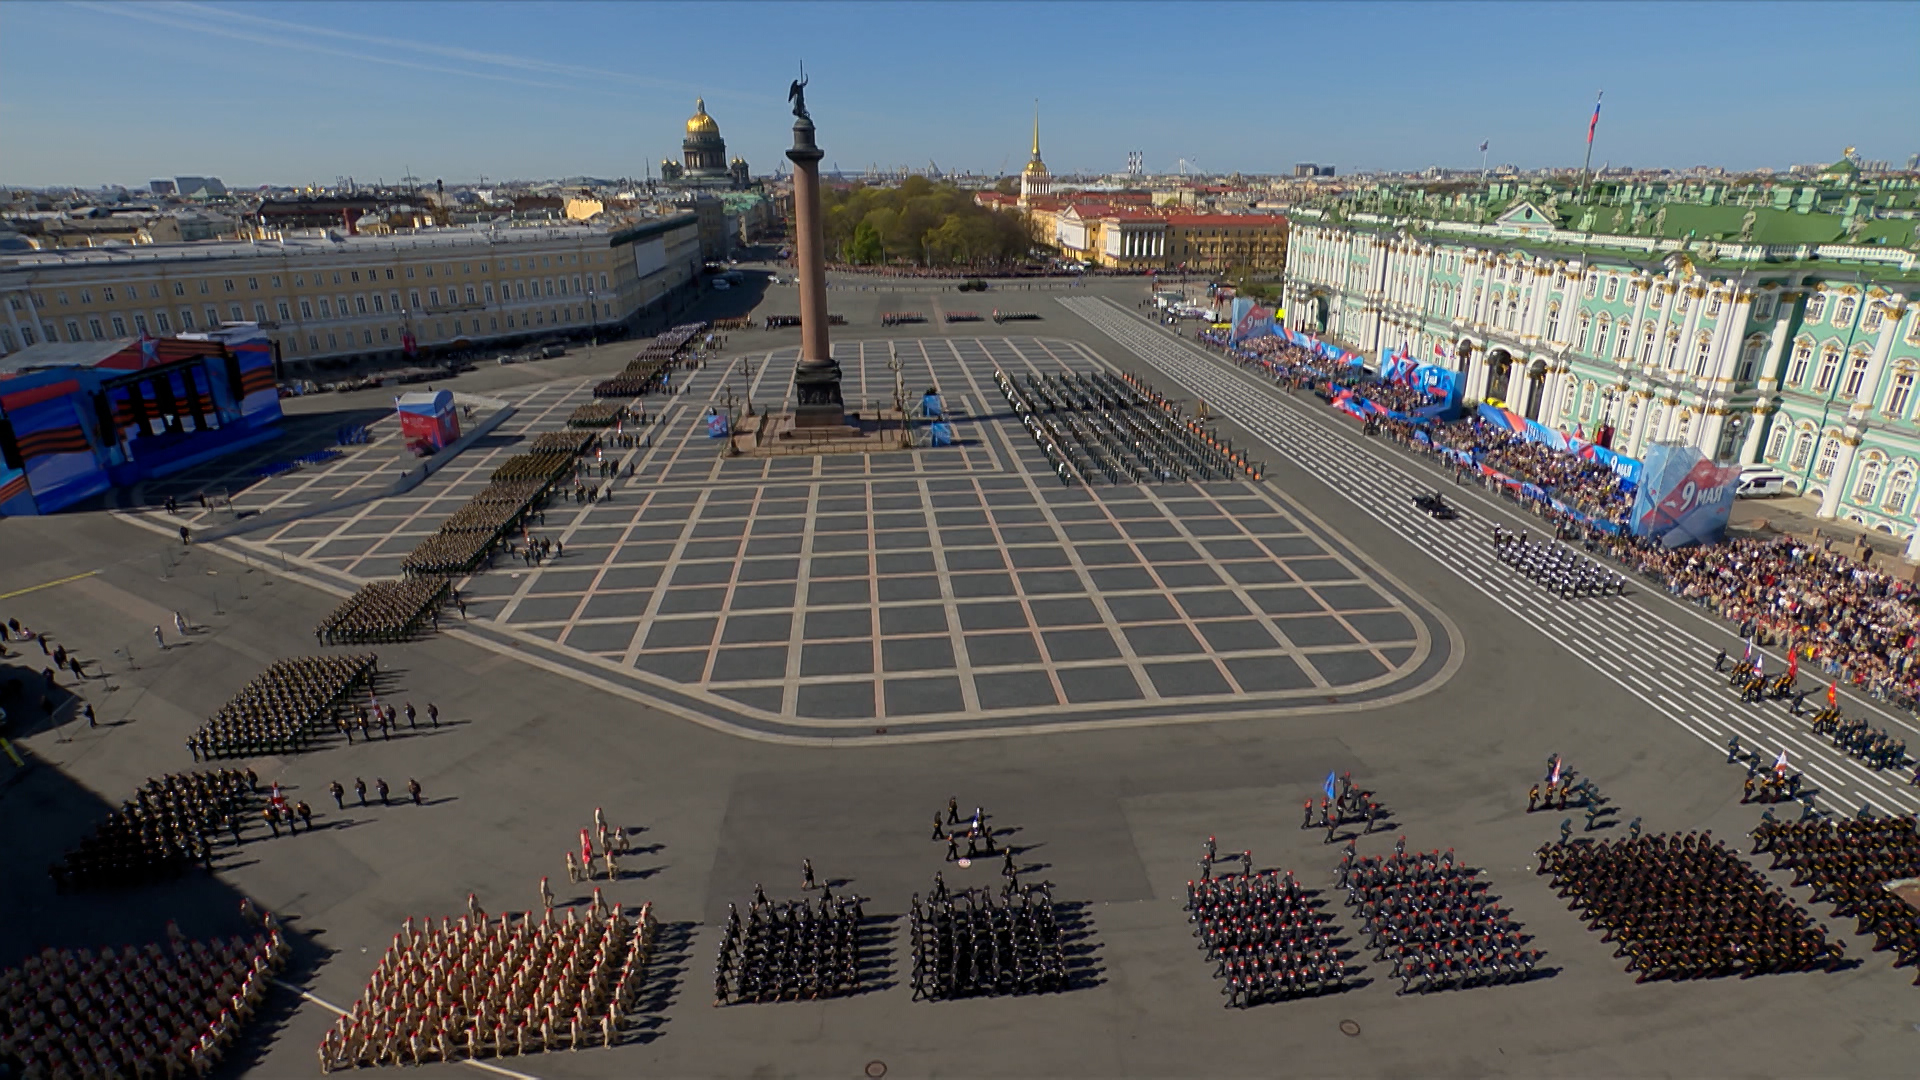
<point>448,237</point>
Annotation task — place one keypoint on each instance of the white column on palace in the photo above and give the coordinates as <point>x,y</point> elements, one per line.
<point>1724,363</point>
<point>1837,483</point>
<point>1756,432</point>
<point>1639,316</point>
<point>1889,326</point>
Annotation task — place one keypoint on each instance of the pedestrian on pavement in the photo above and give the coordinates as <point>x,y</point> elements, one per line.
<point>380,785</point>
<point>360,789</point>
<point>338,793</point>
<point>159,639</point>
<point>306,814</point>
<point>413,789</point>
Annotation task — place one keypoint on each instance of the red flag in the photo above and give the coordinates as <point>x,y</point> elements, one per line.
<point>1793,665</point>
<point>1833,696</point>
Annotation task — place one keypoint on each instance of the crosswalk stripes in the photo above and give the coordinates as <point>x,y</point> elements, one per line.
<point>1664,665</point>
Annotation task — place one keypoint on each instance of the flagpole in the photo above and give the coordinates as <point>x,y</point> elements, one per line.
<point>1587,165</point>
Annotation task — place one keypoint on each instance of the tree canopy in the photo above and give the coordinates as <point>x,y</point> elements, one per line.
<point>920,223</point>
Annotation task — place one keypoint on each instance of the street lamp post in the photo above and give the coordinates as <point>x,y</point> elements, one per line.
<point>894,364</point>
<point>593,315</point>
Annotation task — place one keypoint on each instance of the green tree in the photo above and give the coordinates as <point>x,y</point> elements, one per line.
<point>865,247</point>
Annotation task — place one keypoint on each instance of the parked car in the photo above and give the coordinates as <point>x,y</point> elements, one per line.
<point>1760,482</point>
<point>548,352</point>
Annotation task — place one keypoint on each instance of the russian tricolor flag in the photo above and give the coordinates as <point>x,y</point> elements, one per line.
<point>1595,122</point>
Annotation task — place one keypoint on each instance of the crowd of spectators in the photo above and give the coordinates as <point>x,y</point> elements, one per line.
<point>1857,624</point>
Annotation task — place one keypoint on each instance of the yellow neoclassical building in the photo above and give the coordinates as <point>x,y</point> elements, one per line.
<point>332,297</point>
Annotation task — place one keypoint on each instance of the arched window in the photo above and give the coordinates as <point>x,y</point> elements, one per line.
<point>1899,492</point>
<point>1866,486</point>
<point>1777,443</point>
<point>1750,357</point>
<point>1592,282</point>
<point>1856,374</point>
<point>1829,457</point>
<point>1646,343</point>
<point>1763,306</point>
<point>1553,322</point>
<point>1702,345</point>
<point>1829,368</point>
<point>1586,332</point>
<point>1816,307</point>
<point>1673,349</point>
<point>1802,359</point>
<point>1802,450</point>
<point>1684,428</point>
<point>1843,312</point>
<point>1900,394</point>
<point>1623,339</point>
<point>1875,316</point>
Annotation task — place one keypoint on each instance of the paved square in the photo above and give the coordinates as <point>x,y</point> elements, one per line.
<point>954,585</point>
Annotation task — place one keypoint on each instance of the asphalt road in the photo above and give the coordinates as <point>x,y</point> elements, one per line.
<point>1116,817</point>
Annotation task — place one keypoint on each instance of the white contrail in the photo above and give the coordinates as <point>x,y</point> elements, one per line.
<point>474,56</point>
<point>147,13</point>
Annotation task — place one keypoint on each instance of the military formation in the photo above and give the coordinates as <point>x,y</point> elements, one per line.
<point>385,611</point>
<point>284,709</point>
<point>1436,921</point>
<point>975,942</point>
<point>651,369</point>
<point>473,988</point>
<point>1556,566</point>
<point>796,950</point>
<point>135,1012</point>
<point>1686,907</point>
<point>1847,864</point>
<point>1874,746</point>
<point>1269,936</point>
<point>169,825</point>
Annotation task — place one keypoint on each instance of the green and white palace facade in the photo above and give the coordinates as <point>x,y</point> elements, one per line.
<point>1766,325</point>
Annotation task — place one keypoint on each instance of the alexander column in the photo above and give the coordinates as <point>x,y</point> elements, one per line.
<point>816,379</point>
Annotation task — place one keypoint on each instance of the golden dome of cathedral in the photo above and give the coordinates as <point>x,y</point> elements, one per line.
<point>700,123</point>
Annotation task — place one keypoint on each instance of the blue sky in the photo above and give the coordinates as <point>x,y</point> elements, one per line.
<point>301,93</point>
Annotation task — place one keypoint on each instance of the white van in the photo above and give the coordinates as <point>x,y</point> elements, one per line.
<point>1760,482</point>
